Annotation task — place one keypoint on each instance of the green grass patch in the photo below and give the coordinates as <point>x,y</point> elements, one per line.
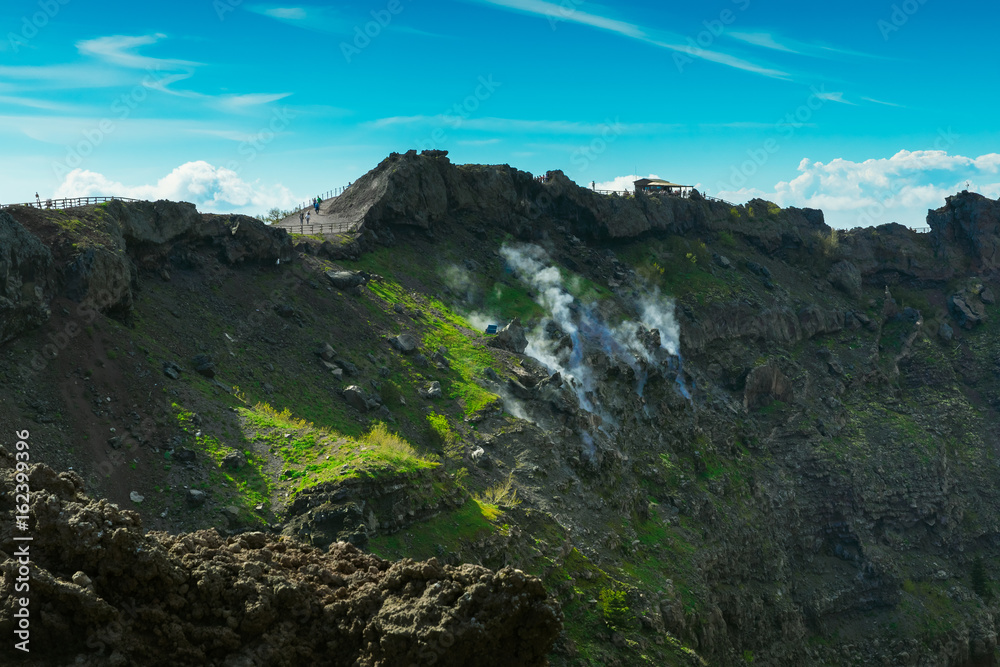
<point>444,533</point>
<point>313,454</point>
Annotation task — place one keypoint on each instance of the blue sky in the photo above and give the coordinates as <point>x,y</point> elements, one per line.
<point>872,111</point>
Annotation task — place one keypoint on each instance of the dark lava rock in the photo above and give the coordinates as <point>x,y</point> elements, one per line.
<point>406,343</point>
<point>204,365</point>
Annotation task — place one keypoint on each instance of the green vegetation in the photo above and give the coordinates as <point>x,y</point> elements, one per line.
<point>510,301</point>
<point>250,485</point>
<point>317,454</point>
<point>275,215</point>
<point>443,437</point>
<point>500,495</point>
<point>445,533</point>
<point>680,267</point>
<point>614,607</point>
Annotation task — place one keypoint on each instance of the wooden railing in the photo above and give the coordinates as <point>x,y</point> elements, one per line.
<point>329,194</point>
<point>921,230</point>
<point>68,202</point>
<point>319,228</point>
<point>729,203</point>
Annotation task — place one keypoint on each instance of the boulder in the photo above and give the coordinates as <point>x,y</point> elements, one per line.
<point>345,280</point>
<point>195,497</point>
<point>136,497</point>
<point>967,309</point>
<point>184,455</point>
<point>846,277</point>
<point>945,332</point>
<point>433,390</point>
<point>406,343</point>
<point>204,365</point>
<point>171,370</point>
<point>234,460</point>
<point>510,338</point>
<point>357,399</point>
<point>348,367</point>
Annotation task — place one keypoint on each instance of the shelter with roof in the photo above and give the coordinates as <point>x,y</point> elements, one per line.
<point>659,186</point>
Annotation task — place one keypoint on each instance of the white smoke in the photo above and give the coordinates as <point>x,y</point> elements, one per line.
<point>584,326</point>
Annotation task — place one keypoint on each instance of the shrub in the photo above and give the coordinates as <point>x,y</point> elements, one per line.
<point>391,393</point>
<point>443,437</point>
<point>829,244</point>
<point>502,494</point>
<point>727,240</point>
<point>614,607</point>
<point>390,445</point>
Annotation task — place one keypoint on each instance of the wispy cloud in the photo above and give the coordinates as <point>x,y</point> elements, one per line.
<point>288,13</point>
<point>883,103</point>
<point>318,19</point>
<point>769,40</point>
<point>837,97</point>
<point>762,39</point>
<point>634,31</point>
<point>43,105</point>
<point>121,50</point>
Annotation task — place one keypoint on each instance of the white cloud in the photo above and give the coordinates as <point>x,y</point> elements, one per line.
<point>768,40</point>
<point>120,50</point>
<point>883,103</point>
<point>556,13</point>
<point>833,97</point>
<point>292,13</point>
<point>899,189</point>
<point>211,188</point>
<point>622,183</point>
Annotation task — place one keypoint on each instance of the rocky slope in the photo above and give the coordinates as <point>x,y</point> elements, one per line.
<point>103,593</point>
<point>722,435</point>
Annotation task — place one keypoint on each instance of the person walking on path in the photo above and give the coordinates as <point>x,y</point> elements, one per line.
<point>302,215</point>
<point>317,203</point>
<point>308,213</point>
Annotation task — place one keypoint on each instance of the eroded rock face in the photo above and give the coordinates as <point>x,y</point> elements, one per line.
<point>113,595</point>
<point>845,276</point>
<point>765,384</point>
<point>26,279</point>
<point>970,224</point>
